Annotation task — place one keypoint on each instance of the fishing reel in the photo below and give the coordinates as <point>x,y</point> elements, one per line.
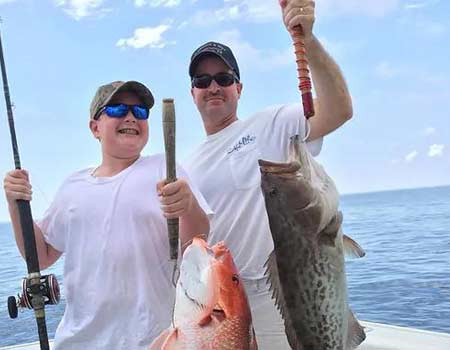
<point>48,286</point>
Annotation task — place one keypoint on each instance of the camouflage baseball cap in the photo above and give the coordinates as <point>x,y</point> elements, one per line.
<point>106,92</point>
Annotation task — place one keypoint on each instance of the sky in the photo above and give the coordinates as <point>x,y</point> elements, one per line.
<point>394,55</point>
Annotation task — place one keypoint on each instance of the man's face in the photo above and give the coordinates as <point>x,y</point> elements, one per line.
<point>216,103</point>
<point>121,137</point>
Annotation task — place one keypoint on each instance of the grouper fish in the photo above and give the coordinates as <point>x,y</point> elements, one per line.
<point>211,307</point>
<point>306,270</point>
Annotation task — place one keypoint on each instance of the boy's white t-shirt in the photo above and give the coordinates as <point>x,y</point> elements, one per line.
<point>117,273</point>
<point>225,169</point>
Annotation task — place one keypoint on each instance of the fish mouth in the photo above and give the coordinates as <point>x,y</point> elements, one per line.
<point>196,274</point>
<point>192,299</point>
<point>268,167</point>
<point>218,313</point>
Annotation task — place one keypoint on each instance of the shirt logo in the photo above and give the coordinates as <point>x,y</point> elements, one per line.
<point>244,141</point>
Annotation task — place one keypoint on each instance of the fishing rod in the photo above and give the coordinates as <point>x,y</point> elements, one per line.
<point>168,120</point>
<point>37,290</point>
<point>305,85</point>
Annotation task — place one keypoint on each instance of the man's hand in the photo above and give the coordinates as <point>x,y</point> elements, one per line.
<point>17,186</point>
<point>298,13</point>
<point>176,198</point>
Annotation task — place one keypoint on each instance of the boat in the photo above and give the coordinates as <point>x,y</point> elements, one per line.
<point>379,337</point>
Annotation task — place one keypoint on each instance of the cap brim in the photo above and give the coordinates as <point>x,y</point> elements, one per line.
<point>139,89</point>
<point>195,61</point>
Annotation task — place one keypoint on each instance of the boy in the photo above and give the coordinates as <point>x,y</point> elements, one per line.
<point>111,224</point>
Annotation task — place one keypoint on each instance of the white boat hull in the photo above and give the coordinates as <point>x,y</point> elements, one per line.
<point>379,337</point>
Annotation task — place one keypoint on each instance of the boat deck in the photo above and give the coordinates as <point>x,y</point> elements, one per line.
<point>379,337</point>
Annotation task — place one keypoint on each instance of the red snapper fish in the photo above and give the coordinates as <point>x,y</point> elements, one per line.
<point>211,307</point>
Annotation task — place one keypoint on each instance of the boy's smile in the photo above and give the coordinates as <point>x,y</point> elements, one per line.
<point>123,137</point>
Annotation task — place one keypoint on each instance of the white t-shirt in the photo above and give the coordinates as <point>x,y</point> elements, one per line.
<point>225,168</point>
<point>117,273</point>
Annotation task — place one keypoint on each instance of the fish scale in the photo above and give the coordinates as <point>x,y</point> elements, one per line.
<point>211,309</point>
<point>230,334</point>
<point>306,269</point>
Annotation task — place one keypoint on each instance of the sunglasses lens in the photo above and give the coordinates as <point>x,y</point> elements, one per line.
<point>202,82</point>
<point>116,111</point>
<point>140,112</point>
<point>224,79</point>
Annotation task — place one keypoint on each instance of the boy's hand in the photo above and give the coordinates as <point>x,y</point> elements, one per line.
<point>176,198</point>
<point>17,186</point>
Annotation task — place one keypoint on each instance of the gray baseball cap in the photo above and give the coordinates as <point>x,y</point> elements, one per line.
<point>106,92</point>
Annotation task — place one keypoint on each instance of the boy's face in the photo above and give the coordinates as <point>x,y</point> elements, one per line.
<point>122,138</point>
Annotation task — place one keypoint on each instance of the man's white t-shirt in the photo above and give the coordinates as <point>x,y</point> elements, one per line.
<point>117,273</point>
<point>225,169</point>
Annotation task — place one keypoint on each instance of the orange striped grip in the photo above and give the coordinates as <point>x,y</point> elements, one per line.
<point>303,73</point>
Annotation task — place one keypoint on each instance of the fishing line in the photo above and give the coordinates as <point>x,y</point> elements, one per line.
<point>37,290</point>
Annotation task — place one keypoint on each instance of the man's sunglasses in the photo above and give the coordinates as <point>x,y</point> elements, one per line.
<point>121,110</point>
<point>204,81</point>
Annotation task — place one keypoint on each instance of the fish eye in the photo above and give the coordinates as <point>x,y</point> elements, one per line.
<point>235,279</point>
<point>273,192</point>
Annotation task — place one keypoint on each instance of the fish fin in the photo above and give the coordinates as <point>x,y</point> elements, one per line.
<point>278,296</point>
<point>355,334</point>
<point>161,341</point>
<point>298,153</point>
<point>204,320</point>
<point>351,248</point>
<point>328,235</point>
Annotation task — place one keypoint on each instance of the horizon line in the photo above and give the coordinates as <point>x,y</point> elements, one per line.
<point>359,193</point>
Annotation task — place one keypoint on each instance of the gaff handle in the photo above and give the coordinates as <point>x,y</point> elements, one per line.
<point>171,176</point>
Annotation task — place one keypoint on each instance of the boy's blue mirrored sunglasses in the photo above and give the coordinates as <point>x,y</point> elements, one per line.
<point>121,110</point>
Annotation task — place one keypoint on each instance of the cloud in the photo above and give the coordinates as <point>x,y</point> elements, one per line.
<point>6,1</point>
<point>342,49</point>
<point>257,10</point>
<point>411,156</point>
<point>436,150</point>
<point>420,4</point>
<point>157,3</point>
<point>79,9</point>
<point>261,11</point>
<point>385,70</point>
<point>419,21</point>
<point>388,70</point>
<point>248,10</point>
<point>431,27</point>
<point>210,17</point>
<point>429,131</point>
<point>146,37</point>
<point>368,8</point>
<point>250,57</point>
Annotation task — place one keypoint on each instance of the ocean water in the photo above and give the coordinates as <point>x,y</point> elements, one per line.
<point>404,279</point>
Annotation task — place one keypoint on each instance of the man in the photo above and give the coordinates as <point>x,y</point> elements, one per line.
<point>108,223</point>
<point>225,165</point>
